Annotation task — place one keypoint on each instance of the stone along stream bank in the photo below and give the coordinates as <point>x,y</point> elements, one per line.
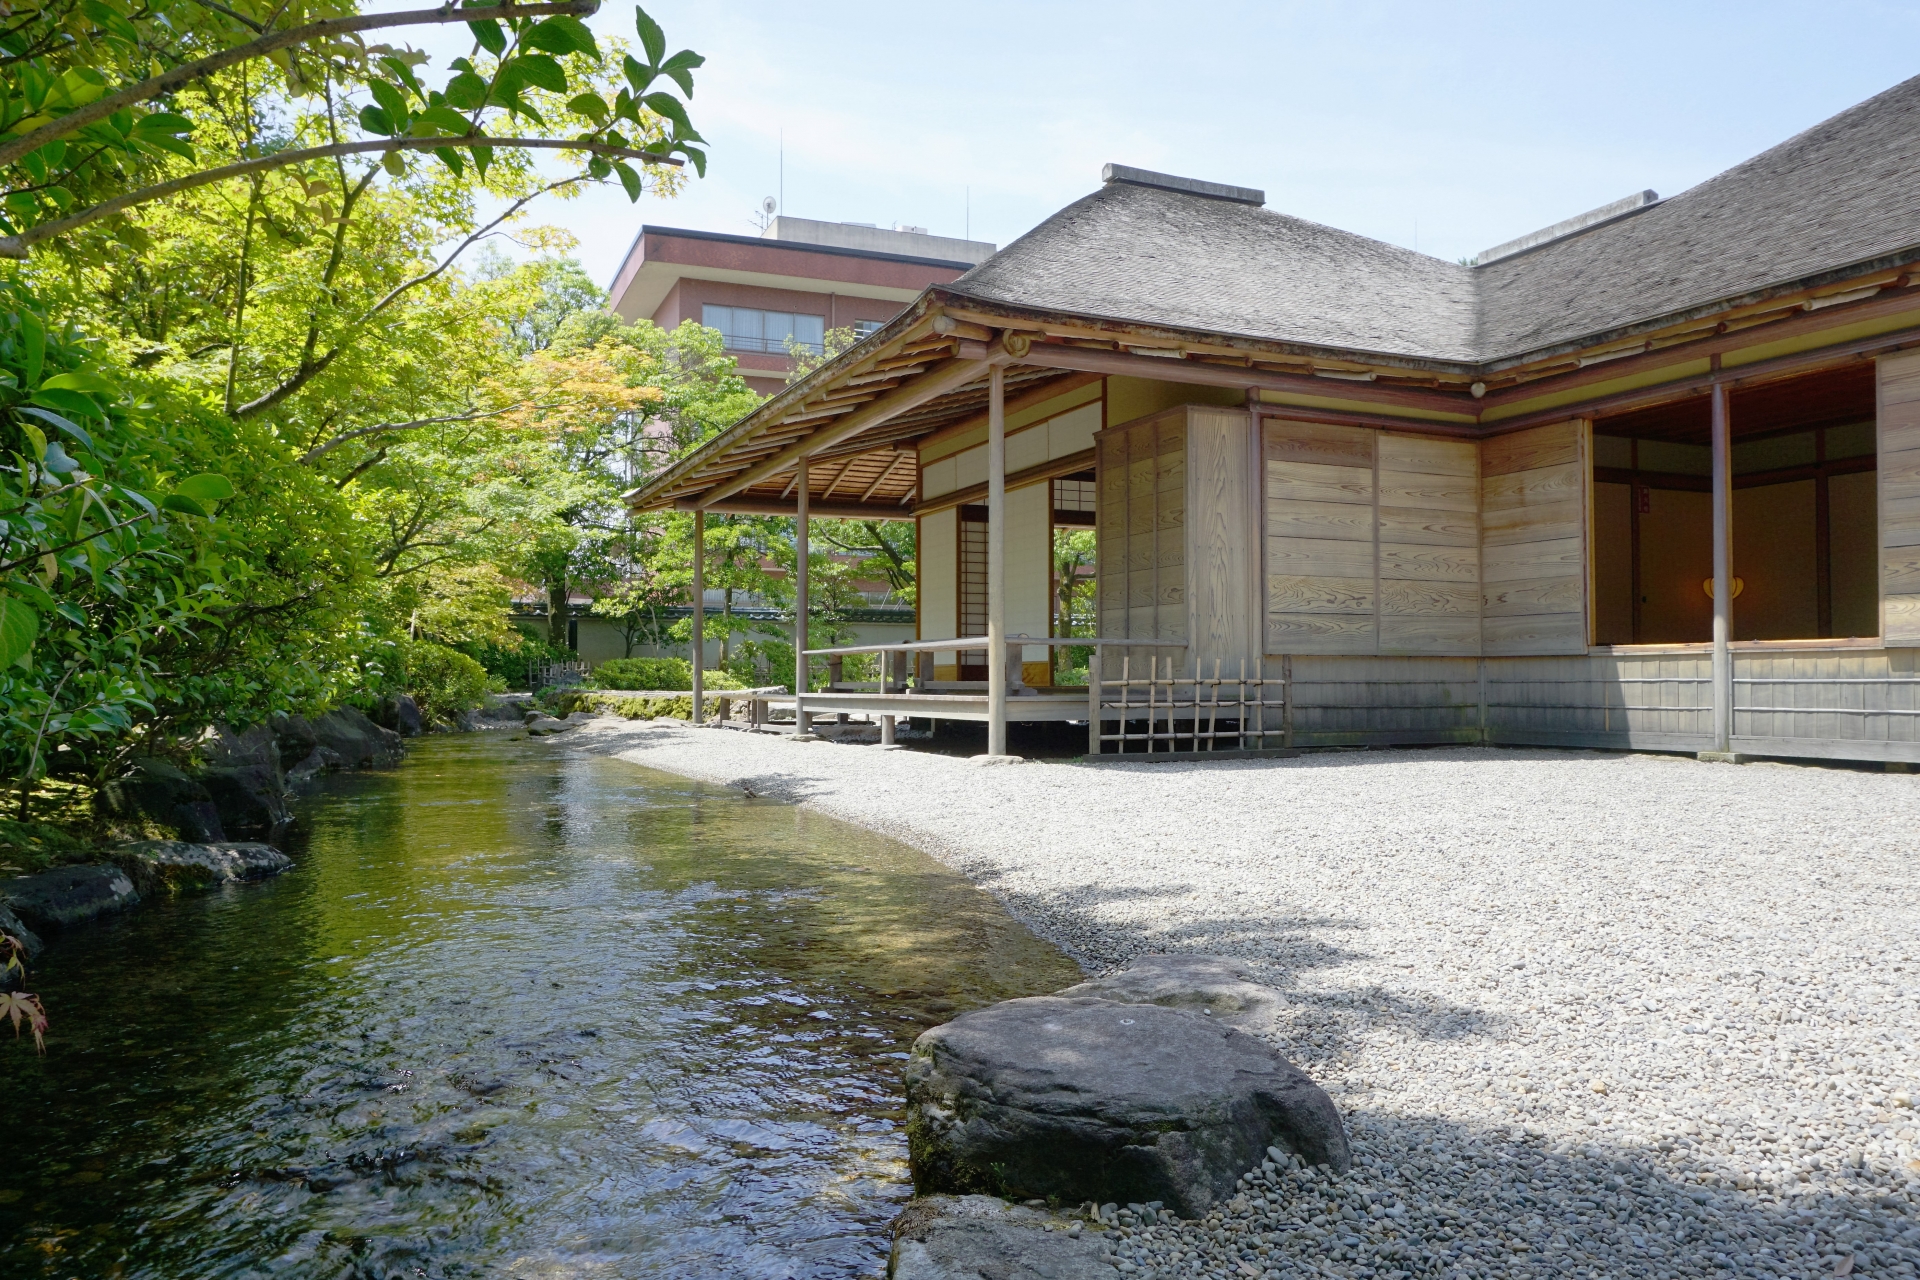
<point>516,1011</point>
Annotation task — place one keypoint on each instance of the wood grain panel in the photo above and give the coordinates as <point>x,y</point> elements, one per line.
<point>1403,597</point>
<point>1319,557</point>
<point>1538,486</point>
<point>1900,571</point>
<point>1284,441</point>
<point>1549,446</point>
<point>1428,456</point>
<point>1510,562</point>
<point>1429,564</point>
<point>1434,493</point>
<point>1318,482</point>
<point>1430,528</point>
<point>1341,520</point>
<point>1898,423</point>
<point>1535,493</point>
<point>1559,594</point>
<point>1533,524</point>
<point>1319,595</point>
<point>1434,633</point>
<point>1534,634</point>
<point>1319,633</point>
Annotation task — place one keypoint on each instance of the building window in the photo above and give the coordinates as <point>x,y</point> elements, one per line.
<point>861,328</point>
<point>751,329</point>
<point>973,589</point>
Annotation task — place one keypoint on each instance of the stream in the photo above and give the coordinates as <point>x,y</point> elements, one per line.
<point>518,1011</point>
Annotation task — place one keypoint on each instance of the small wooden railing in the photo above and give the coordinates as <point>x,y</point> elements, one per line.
<point>1161,712</point>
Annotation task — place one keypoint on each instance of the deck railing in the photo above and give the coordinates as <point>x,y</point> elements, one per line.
<point>1165,713</point>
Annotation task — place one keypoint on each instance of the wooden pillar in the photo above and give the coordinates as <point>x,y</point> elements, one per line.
<point>996,561</point>
<point>1822,540</point>
<point>802,727</point>
<point>699,612</point>
<point>1722,572</point>
<point>886,731</point>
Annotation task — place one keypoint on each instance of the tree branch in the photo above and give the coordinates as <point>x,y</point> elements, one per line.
<point>16,246</point>
<point>154,86</point>
<point>347,437</point>
<point>311,368</point>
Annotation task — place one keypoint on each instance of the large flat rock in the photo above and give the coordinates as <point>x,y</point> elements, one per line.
<point>1212,986</point>
<point>976,1237</point>
<point>1084,1099</point>
<point>68,895</point>
<point>156,865</point>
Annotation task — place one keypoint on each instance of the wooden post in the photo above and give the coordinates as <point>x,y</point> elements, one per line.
<point>996,561</point>
<point>1093,702</point>
<point>1722,572</point>
<point>699,612</point>
<point>801,726</point>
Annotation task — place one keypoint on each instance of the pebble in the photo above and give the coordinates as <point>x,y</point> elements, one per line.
<point>1587,1014</point>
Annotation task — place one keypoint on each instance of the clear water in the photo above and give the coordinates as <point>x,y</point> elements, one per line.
<point>518,1012</point>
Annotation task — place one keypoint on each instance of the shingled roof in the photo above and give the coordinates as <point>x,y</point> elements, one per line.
<point>1842,197</point>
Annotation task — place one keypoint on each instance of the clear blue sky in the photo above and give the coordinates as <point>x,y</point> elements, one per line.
<point>1455,126</point>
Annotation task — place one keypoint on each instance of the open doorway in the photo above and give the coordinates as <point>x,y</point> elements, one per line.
<point>1074,590</point>
<point>1805,531</point>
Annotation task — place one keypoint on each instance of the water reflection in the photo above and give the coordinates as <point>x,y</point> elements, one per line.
<point>517,1012</point>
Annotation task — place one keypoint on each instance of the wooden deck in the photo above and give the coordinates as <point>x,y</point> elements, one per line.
<point>1054,708</point>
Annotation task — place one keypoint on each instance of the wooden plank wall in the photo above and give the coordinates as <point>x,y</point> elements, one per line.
<point>1533,539</point>
<point>1141,521</point>
<point>1861,704</point>
<point>1899,427</point>
<point>1654,701</point>
<point>1222,557</point>
<point>1322,584</point>
<point>1429,545</point>
<point>1383,701</point>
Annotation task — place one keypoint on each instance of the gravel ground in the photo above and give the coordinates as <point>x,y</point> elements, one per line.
<point>1586,1014</point>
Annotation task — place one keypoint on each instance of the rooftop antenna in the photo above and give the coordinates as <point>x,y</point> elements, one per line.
<point>764,218</point>
<point>969,232</point>
<point>783,168</point>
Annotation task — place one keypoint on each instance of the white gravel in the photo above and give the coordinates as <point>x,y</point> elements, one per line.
<point>1586,1014</point>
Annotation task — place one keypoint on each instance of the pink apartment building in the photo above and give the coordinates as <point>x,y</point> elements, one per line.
<point>793,283</point>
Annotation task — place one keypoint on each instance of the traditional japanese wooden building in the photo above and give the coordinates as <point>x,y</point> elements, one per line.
<point>1647,478</point>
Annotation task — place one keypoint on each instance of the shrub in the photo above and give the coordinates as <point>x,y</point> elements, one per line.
<point>508,663</point>
<point>443,681</point>
<point>657,673</point>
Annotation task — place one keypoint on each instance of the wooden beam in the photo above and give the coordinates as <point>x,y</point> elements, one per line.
<point>884,475</point>
<point>973,493</point>
<point>1054,355</point>
<point>1061,386</point>
<point>942,378</point>
<point>1701,349</point>
<point>1745,375</point>
<point>783,506</point>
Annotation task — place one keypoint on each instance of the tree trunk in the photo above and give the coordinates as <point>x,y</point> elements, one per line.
<point>557,612</point>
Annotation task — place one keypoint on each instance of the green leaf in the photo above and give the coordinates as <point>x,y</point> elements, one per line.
<point>91,382</point>
<point>161,142</point>
<point>698,157</point>
<point>680,67</point>
<point>374,120</point>
<point>597,167</point>
<point>665,104</point>
<point>404,74</point>
<point>451,158</point>
<point>18,627</point>
<point>161,122</point>
<point>652,38</point>
<point>448,119</point>
<point>542,72</point>
<point>590,105</point>
<point>208,486</point>
<point>35,336</point>
<point>35,166</point>
<point>490,36</point>
<point>71,403</point>
<point>563,34</point>
<point>628,179</point>
<point>53,419</point>
<point>394,163</point>
<point>182,503</point>
<point>466,91</point>
<point>37,438</point>
<point>482,157</point>
<point>638,76</point>
<point>391,101</point>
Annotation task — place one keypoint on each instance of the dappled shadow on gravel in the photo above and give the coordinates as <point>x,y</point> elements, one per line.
<point>1442,1199</point>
